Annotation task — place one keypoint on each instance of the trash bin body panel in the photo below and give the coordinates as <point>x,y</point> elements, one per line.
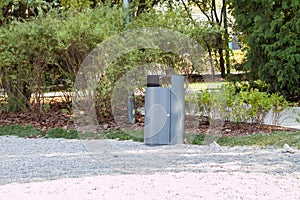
<point>177,110</point>
<point>157,116</point>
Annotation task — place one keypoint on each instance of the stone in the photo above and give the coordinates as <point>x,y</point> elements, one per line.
<point>288,149</point>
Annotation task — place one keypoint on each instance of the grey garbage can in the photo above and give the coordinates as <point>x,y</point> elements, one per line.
<point>164,111</point>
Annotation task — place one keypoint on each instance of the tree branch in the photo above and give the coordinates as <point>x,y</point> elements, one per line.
<point>203,12</point>
<point>188,11</point>
<point>214,8</point>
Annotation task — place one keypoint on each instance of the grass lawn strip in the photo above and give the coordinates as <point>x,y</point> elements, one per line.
<point>275,138</point>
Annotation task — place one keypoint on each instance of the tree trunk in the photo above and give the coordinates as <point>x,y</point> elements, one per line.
<point>221,56</point>
<point>222,63</point>
<point>141,7</point>
<point>227,55</point>
<point>212,67</point>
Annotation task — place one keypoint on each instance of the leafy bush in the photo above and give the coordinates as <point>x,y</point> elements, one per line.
<point>241,105</point>
<point>174,20</point>
<point>279,103</point>
<point>48,49</point>
<point>178,20</point>
<point>271,30</point>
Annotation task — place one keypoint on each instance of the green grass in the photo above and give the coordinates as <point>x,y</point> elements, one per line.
<point>275,139</point>
<point>196,139</point>
<point>62,133</point>
<point>29,131</point>
<point>18,130</point>
<point>137,136</point>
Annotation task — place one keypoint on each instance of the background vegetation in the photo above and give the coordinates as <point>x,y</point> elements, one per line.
<point>43,43</point>
<point>271,31</point>
<point>274,139</point>
<point>241,104</point>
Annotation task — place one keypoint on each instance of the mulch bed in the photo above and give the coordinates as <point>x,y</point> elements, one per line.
<point>45,121</point>
<point>241,129</point>
<point>55,118</point>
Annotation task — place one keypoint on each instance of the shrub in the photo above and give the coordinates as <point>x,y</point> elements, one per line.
<point>48,49</point>
<point>279,103</point>
<point>241,105</point>
<point>271,30</point>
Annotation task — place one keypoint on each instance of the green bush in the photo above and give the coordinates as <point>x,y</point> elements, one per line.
<point>271,30</point>
<point>259,105</point>
<point>240,105</point>
<point>50,48</point>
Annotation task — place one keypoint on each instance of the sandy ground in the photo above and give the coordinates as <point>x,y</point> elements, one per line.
<point>183,185</point>
<point>59,169</point>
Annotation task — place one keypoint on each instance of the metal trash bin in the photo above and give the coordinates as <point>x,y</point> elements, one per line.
<point>164,111</point>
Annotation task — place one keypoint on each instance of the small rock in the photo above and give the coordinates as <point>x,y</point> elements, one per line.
<point>106,126</point>
<point>288,149</point>
<point>227,130</point>
<point>214,144</point>
<point>215,147</point>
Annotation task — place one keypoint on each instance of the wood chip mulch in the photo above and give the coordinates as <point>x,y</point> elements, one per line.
<point>55,117</point>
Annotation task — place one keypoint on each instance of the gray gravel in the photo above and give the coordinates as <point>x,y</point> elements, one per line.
<point>30,160</point>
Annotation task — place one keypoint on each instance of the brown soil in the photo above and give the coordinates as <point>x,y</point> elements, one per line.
<point>57,117</point>
<point>239,129</point>
<point>45,121</point>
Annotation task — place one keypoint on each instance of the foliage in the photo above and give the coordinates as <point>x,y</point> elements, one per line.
<point>176,20</point>
<point>48,50</point>
<point>237,58</point>
<point>216,14</point>
<point>298,117</point>
<point>62,133</point>
<point>205,33</point>
<point>53,44</point>
<point>275,139</point>
<point>26,50</point>
<point>79,5</point>
<point>258,102</point>
<point>240,104</point>
<point>18,130</point>
<point>123,135</point>
<point>31,132</point>
<point>196,139</point>
<point>272,32</point>
<point>279,103</point>
<point>24,9</point>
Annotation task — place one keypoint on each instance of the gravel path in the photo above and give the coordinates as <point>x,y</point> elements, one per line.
<point>109,169</point>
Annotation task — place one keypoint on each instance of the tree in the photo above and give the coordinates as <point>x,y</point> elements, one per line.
<point>24,9</point>
<point>212,37</point>
<point>272,33</point>
<point>215,13</point>
<point>37,53</point>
